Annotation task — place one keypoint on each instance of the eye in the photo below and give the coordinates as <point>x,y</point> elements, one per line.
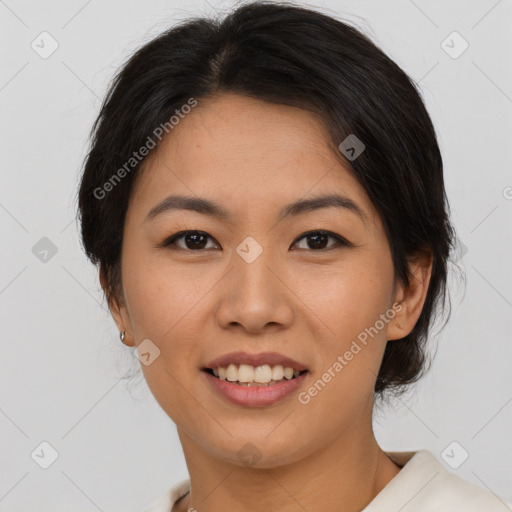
<point>195,240</point>
<point>318,239</point>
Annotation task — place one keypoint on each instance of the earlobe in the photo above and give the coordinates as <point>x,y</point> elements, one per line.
<point>118,313</point>
<point>411,298</point>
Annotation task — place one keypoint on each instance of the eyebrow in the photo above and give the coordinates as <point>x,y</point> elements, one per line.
<point>208,207</point>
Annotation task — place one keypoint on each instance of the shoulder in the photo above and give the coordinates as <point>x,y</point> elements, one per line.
<point>425,485</point>
<point>449,489</point>
<point>166,501</point>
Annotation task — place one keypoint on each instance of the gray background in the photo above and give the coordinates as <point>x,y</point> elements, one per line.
<point>61,356</point>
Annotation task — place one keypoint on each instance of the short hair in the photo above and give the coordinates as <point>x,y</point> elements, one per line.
<point>291,55</point>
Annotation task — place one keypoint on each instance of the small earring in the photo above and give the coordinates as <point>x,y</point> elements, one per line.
<point>122,336</point>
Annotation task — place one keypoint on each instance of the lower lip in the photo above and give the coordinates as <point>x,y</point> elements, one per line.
<point>254,396</point>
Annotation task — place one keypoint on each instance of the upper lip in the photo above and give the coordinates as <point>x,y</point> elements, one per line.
<point>270,358</point>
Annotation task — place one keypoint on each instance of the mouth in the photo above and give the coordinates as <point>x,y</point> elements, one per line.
<point>255,365</point>
<point>255,380</point>
<point>255,376</point>
<point>254,386</point>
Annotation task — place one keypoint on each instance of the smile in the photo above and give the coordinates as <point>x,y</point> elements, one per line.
<point>248,375</point>
<point>253,393</point>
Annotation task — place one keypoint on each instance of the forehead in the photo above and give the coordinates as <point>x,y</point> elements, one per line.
<point>249,155</point>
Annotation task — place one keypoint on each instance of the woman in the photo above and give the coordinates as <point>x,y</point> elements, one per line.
<point>264,197</point>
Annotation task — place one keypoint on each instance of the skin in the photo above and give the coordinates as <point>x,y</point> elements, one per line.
<point>253,157</point>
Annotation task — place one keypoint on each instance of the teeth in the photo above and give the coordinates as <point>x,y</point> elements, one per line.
<point>288,373</point>
<point>247,374</point>
<point>263,374</point>
<point>277,372</point>
<point>232,373</point>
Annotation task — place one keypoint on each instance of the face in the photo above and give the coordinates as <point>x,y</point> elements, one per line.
<point>304,285</point>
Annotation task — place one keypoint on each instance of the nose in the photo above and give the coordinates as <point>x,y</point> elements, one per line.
<point>255,296</point>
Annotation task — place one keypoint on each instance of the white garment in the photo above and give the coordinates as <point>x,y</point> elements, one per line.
<point>422,485</point>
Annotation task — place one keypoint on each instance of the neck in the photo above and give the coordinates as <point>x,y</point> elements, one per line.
<point>345,474</point>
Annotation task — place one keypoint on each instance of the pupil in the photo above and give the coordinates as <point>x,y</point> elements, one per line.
<point>195,238</point>
<point>316,244</point>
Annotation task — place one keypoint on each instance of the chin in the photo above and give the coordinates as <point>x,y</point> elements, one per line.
<point>261,451</point>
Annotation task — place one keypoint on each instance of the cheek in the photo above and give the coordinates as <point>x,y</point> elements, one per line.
<point>349,357</point>
<point>163,307</point>
<point>350,298</point>
<point>350,302</point>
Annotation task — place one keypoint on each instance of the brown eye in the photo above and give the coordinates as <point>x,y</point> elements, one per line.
<point>192,240</point>
<point>318,240</point>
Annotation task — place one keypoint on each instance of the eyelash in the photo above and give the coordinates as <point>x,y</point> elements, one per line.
<point>340,241</point>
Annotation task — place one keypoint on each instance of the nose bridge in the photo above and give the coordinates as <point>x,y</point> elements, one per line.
<point>254,296</point>
<point>252,260</point>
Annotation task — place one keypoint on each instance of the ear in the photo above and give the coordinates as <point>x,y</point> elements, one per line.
<point>118,310</point>
<point>411,298</point>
